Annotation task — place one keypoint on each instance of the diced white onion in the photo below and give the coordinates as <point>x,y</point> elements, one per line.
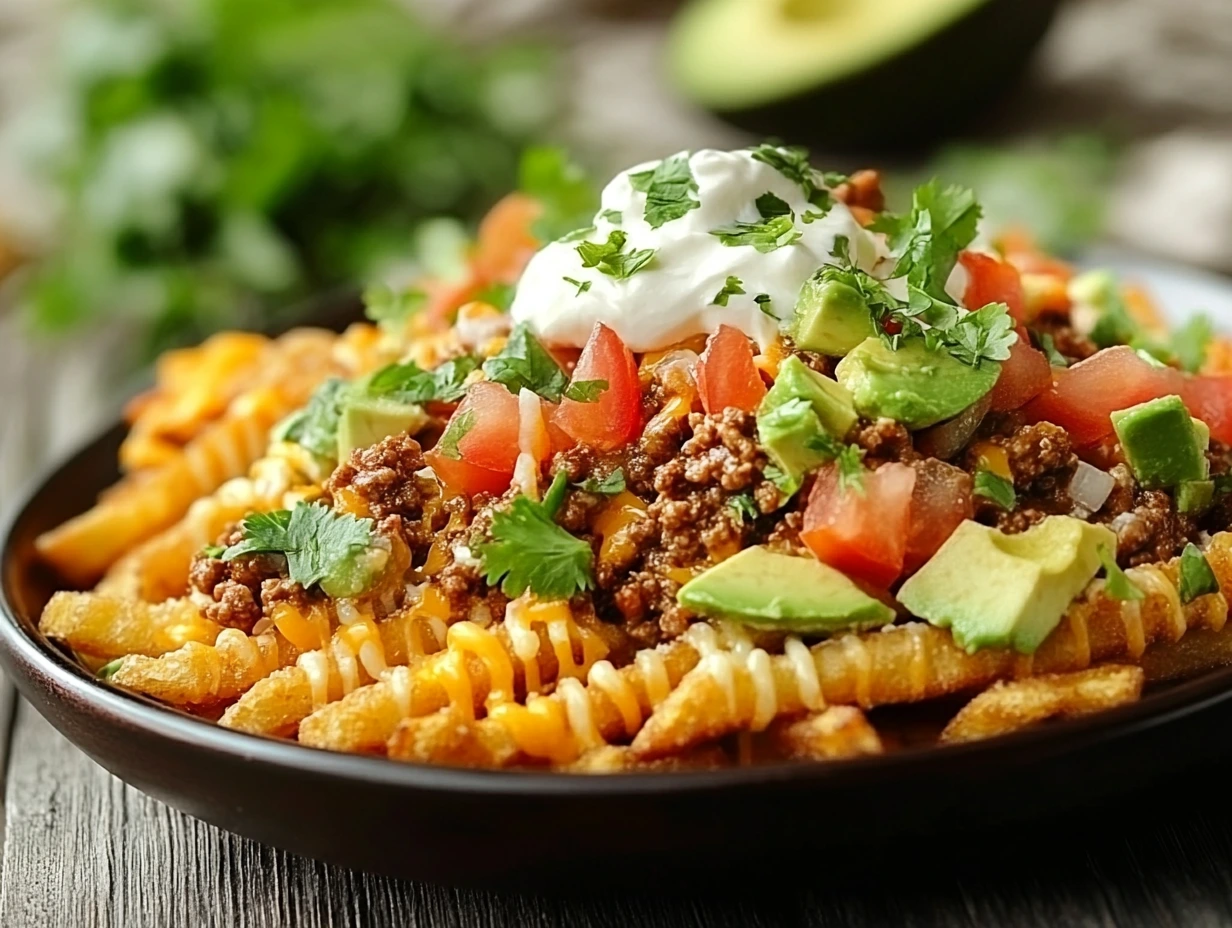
<point>1090,487</point>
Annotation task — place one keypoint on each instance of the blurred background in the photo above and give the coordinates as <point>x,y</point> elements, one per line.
<point>172,167</point>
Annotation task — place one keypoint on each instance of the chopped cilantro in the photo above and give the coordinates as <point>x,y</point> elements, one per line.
<point>783,481</point>
<point>1195,575</point>
<point>793,163</point>
<point>454,432</point>
<point>585,391</point>
<point>745,508</point>
<point>848,460</point>
<point>392,308</point>
<point>498,295</point>
<point>1114,326</point>
<point>529,551</point>
<point>582,285</point>
<point>670,190</point>
<point>996,488</point>
<point>763,303</point>
<point>315,427</point>
<point>611,258</point>
<point>524,362</point>
<point>775,229</point>
<point>318,543</point>
<point>614,216</point>
<point>409,383</point>
<point>1049,347</point>
<point>1117,583</point>
<point>734,286</point>
<point>1190,341</point>
<point>610,485</point>
<point>562,188</point>
<point>214,551</point>
<point>987,333</point>
<point>925,242</point>
<point>108,670</point>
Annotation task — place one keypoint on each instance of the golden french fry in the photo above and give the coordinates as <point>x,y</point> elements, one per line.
<point>1202,650</point>
<point>450,738</point>
<point>478,666</point>
<point>619,759</point>
<point>1010,705</point>
<point>357,655</point>
<point>839,731</point>
<point>204,675</point>
<point>109,627</point>
<point>913,662</point>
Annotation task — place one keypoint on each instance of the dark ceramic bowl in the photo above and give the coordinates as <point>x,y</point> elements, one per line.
<point>497,827</point>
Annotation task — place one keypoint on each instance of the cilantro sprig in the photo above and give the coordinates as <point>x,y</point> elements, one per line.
<point>848,459</point>
<point>733,286</point>
<point>996,488</point>
<point>670,188</point>
<point>743,505</point>
<point>525,364</point>
<point>1117,583</point>
<point>315,426</point>
<point>776,229</point>
<point>610,485</point>
<point>319,544</point>
<point>529,551</point>
<point>409,383</point>
<point>611,259</point>
<point>1195,575</point>
<point>793,163</point>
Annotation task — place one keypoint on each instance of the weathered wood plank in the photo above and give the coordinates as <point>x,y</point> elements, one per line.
<point>83,850</point>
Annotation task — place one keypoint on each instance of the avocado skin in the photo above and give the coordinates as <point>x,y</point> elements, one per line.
<point>919,97</point>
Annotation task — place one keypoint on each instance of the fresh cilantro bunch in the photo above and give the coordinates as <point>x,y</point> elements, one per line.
<point>320,545</point>
<point>529,551</point>
<point>219,160</point>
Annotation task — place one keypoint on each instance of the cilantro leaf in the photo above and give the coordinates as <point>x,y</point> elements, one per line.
<point>745,508</point>
<point>793,163</point>
<point>926,242</point>
<point>497,295</point>
<point>585,391</point>
<point>610,485</point>
<point>1195,576</point>
<point>315,427</point>
<point>1049,347</point>
<point>391,308</point>
<point>214,551</point>
<point>734,286</point>
<point>611,258</point>
<point>409,383</point>
<point>986,334</point>
<point>108,670</point>
<point>848,460</point>
<point>996,488</point>
<point>614,216</point>
<point>582,285</point>
<point>524,362</point>
<point>776,228</point>
<point>670,190</point>
<point>529,551</point>
<point>763,303</point>
<point>1190,341</point>
<point>1117,583</point>
<point>454,432</point>
<point>562,188</point>
<point>317,542</point>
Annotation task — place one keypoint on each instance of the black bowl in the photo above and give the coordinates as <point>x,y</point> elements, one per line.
<point>496,827</point>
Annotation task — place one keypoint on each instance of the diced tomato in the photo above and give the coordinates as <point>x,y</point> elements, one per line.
<point>863,534</point>
<point>505,242</point>
<point>1025,375</point>
<point>488,448</point>
<point>1209,398</point>
<point>940,501</point>
<point>1083,396</point>
<point>615,418</point>
<point>993,281</point>
<point>726,374</point>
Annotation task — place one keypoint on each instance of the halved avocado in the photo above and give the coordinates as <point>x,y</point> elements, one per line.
<point>852,73</point>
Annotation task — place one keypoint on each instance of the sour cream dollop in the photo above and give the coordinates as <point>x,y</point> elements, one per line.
<point>673,297</point>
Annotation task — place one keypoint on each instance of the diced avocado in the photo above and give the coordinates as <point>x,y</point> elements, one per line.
<point>1194,496</point>
<point>830,317</point>
<point>1163,446</point>
<point>995,590</point>
<point>765,589</point>
<point>366,420</point>
<point>355,574</point>
<point>822,66</point>
<point>913,385</point>
<point>801,407</point>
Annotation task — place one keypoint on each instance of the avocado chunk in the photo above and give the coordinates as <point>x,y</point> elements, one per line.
<point>1195,496</point>
<point>995,590</point>
<point>1163,446</point>
<point>822,66</point>
<point>366,420</point>
<point>765,589</point>
<point>801,407</point>
<point>355,574</point>
<point>913,385</point>
<point>830,318</point>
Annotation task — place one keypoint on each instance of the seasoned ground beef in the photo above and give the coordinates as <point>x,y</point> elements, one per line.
<point>1069,342</point>
<point>1042,461</point>
<point>383,476</point>
<point>1040,450</point>
<point>822,364</point>
<point>884,441</point>
<point>235,586</point>
<point>1152,531</point>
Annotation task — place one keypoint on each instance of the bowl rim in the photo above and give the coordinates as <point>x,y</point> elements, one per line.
<point>38,659</point>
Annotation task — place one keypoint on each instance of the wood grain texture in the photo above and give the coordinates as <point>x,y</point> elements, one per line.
<point>82,849</point>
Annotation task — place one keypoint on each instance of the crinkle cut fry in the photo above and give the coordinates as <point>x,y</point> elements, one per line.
<point>1009,705</point>
<point>364,720</point>
<point>109,627</point>
<point>832,733</point>
<point>511,734</point>
<point>205,675</point>
<point>913,662</point>
<point>277,704</point>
